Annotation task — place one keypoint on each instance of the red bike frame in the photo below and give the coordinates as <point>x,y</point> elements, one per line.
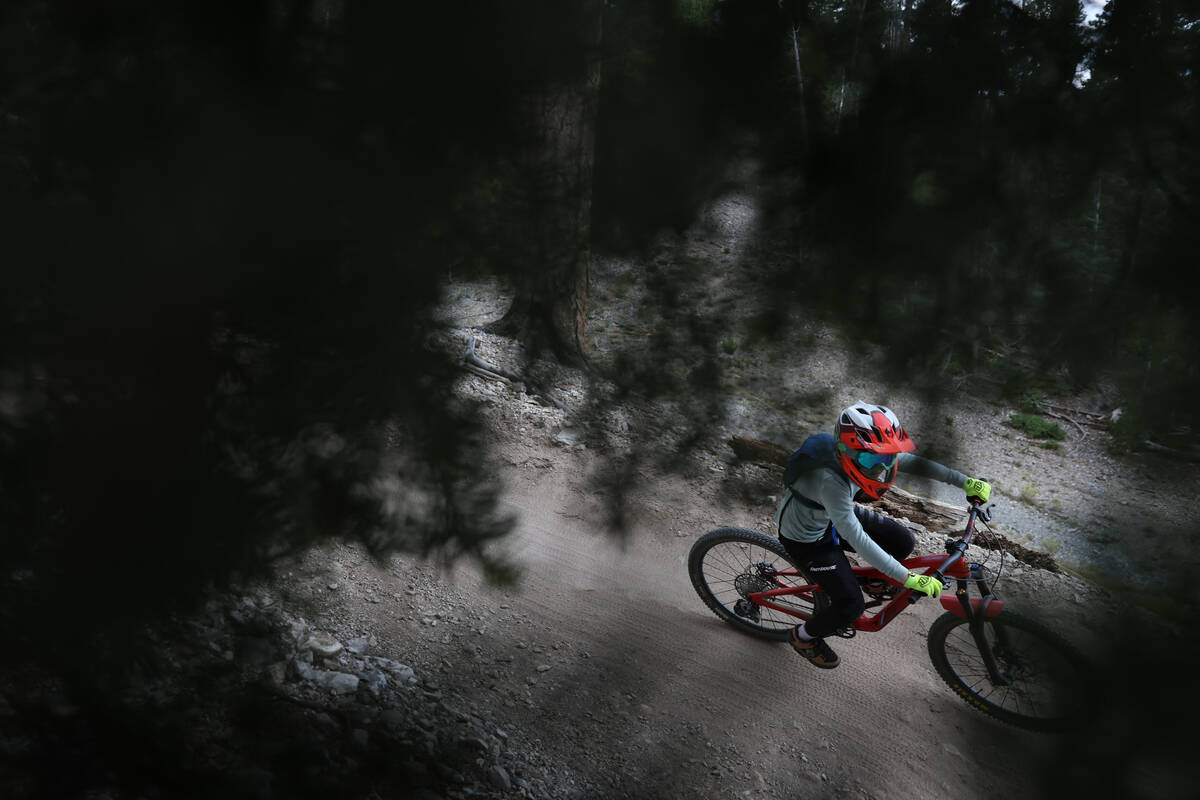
<point>940,566</point>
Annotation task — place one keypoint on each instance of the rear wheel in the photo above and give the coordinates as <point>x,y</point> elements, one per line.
<point>728,564</point>
<point>1044,680</point>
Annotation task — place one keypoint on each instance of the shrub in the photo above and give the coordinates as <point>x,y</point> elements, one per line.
<point>1035,426</point>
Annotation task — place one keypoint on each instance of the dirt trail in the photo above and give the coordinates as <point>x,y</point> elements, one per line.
<point>607,672</point>
<point>606,663</point>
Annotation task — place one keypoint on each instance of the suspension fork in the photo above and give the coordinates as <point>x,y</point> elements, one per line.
<point>976,619</point>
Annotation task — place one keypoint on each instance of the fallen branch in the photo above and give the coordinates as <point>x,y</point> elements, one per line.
<point>471,359</point>
<point>1172,452</point>
<point>1096,420</point>
<point>1096,415</point>
<point>999,542</point>
<point>476,365</point>
<point>1082,432</point>
<point>933,515</point>
<point>759,451</point>
<point>923,511</point>
<point>486,373</point>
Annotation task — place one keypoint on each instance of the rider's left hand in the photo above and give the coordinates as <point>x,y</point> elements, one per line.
<point>925,584</point>
<point>978,491</point>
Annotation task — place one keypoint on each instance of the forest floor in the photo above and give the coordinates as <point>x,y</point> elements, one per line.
<point>600,673</point>
<point>611,679</point>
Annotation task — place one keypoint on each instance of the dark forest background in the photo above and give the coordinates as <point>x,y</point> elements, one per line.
<point>224,227</point>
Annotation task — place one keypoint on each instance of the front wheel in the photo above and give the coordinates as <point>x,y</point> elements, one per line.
<point>1043,681</point>
<point>728,564</point>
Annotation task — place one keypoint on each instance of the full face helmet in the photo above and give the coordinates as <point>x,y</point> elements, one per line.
<point>869,438</point>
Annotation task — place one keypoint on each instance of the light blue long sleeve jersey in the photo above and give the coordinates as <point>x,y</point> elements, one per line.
<point>797,521</point>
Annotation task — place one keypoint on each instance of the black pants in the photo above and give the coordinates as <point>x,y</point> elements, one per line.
<point>825,562</point>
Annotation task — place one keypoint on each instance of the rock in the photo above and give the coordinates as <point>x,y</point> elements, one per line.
<point>255,651</point>
<point>568,437</point>
<point>303,669</point>
<point>394,718</point>
<point>498,777</point>
<point>448,773</point>
<point>471,745</point>
<point>336,682</point>
<point>374,680</point>
<point>322,644</point>
<point>277,672</point>
<point>299,630</point>
<point>359,644</point>
<point>401,672</point>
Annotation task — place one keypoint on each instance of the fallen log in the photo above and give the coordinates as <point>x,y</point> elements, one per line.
<point>759,451</point>
<point>933,515</point>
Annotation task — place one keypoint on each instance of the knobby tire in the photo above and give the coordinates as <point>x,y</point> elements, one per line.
<point>724,565</point>
<point>1049,679</point>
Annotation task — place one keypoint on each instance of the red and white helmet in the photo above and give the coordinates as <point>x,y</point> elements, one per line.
<point>868,440</point>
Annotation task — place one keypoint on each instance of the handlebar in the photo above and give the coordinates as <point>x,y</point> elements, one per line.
<point>978,511</point>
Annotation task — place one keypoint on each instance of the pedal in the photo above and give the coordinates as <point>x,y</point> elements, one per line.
<point>846,633</point>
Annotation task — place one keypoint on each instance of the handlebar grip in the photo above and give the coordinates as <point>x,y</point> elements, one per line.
<point>914,595</point>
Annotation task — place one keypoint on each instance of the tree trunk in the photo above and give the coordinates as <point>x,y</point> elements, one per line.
<point>810,73</point>
<point>550,305</point>
<point>800,86</point>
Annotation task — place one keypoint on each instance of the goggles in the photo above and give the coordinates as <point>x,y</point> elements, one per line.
<point>874,461</point>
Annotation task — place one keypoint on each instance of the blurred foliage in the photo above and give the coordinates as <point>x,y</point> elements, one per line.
<point>1010,178</point>
<point>225,225</point>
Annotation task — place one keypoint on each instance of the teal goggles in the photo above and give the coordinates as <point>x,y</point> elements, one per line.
<point>874,461</point>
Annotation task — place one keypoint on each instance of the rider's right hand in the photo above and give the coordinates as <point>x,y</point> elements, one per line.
<point>925,584</point>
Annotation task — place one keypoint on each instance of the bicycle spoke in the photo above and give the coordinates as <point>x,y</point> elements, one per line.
<point>730,565</point>
<point>1039,678</point>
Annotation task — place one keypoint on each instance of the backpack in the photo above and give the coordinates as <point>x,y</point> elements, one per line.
<point>817,452</point>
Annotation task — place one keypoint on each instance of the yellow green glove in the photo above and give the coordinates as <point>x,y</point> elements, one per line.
<point>977,491</point>
<point>925,584</point>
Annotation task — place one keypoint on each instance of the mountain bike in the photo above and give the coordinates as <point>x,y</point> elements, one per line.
<point>1003,663</point>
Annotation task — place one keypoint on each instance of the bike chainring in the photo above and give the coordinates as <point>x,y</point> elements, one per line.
<point>877,589</point>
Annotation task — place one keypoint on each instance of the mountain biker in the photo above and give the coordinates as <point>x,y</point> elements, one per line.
<point>818,520</point>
